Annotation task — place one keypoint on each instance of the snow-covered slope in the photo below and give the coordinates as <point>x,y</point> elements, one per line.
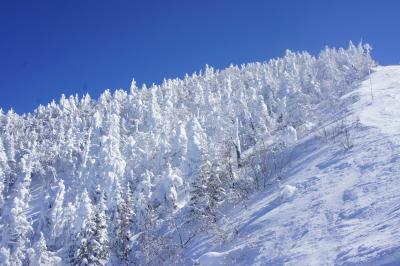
<point>346,208</point>
<point>281,162</point>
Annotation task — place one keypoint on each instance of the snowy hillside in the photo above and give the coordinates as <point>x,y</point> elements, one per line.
<point>288,161</point>
<point>346,208</point>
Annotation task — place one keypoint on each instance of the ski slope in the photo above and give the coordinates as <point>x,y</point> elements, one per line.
<point>345,208</point>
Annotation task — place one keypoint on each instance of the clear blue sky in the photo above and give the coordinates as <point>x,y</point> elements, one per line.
<point>57,46</point>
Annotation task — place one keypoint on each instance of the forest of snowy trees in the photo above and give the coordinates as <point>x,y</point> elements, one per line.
<point>133,177</point>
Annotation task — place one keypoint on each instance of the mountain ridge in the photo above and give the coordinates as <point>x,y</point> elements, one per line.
<point>139,177</point>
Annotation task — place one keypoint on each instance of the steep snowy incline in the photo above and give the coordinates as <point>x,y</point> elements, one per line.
<point>346,209</point>
<point>384,113</point>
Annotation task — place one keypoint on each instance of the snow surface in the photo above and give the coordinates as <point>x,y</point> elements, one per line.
<point>384,112</point>
<point>346,210</point>
<point>213,258</point>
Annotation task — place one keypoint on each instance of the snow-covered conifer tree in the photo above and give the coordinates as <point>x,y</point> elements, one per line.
<point>3,174</point>
<point>56,216</point>
<point>17,230</point>
<point>98,241</point>
<point>166,195</point>
<point>195,145</point>
<point>124,224</point>
<point>207,192</point>
<point>91,246</point>
<point>143,194</point>
<point>39,255</point>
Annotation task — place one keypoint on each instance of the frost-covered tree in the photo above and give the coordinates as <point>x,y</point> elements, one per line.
<point>207,192</point>
<point>142,201</point>
<point>124,224</point>
<point>91,245</point>
<point>17,229</point>
<point>56,217</point>
<point>195,145</point>
<point>39,255</point>
<point>111,165</point>
<point>99,243</point>
<point>179,146</point>
<point>166,194</point>
<point>79,249</point>
<point>3,174</point>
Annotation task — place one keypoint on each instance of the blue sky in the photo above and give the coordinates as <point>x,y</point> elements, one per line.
<point>52,47</point>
